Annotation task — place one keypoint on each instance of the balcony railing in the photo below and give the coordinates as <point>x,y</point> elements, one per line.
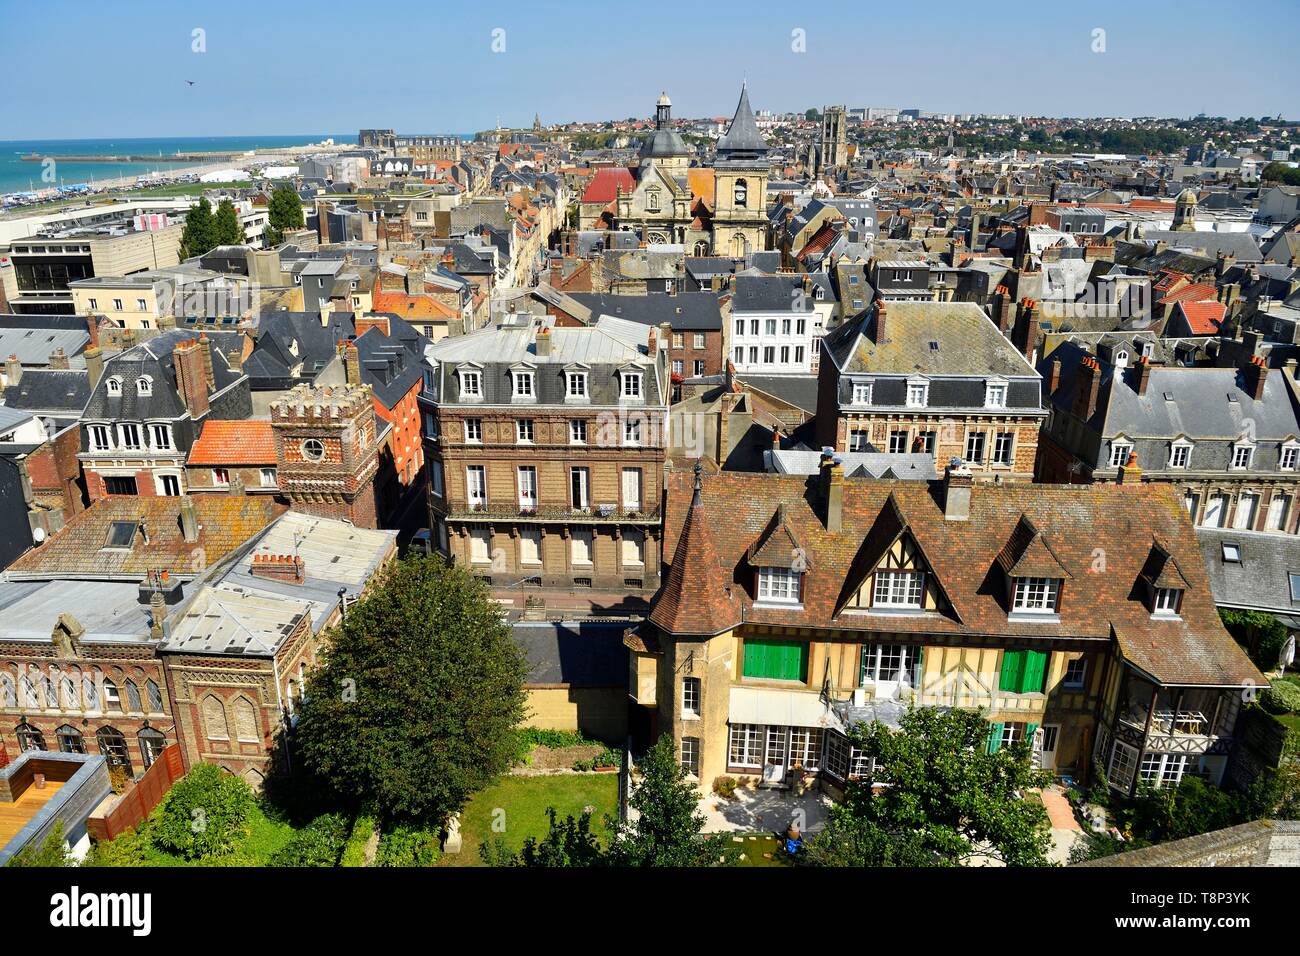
<point>595,514</point>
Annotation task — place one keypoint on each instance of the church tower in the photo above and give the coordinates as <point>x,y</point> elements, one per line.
<point>665,147</point>
<point>740,186</point>
<point>1185,211</point>
<point>833,152</point>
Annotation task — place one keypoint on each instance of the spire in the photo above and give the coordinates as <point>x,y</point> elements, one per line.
<point>696,597</point>
<point>742,139</point>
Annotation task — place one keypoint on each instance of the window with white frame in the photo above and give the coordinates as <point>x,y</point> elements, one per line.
<point>995,395</point>
<point>888,662</point>
<point>903,589</point>
<point>1003,445</point>
<point>691,755</point>
<point>632,431</point>
<point>745,746</point>
<point>220,477</point>
<point>697,340</point>
<point>524,431</point>
<point>1180,454</point>
<point>471,384</point>
<point>1076,672</point>
<point>806,747</point>
<point>858,440</point>
<point>1036,595</point>
<point>918,394</point>
<point>523,385</point>
<point>160,437</point>
<point>144,385</point>
<point>1242,455</point>
<point>690,697</point>
<point>1123,765</point>
<point>1288,456</point>
<point>99,438</point>
<point>740,327</point>
<point>861,393</point>
<point>577,382</point>
<point>1119,452</point>
<point>268,479</point>
<point>780,585</point>
<point>476,485</point>
<point>474,430</point>
<point>632,385</point>
<point>898,441</point>
<point>975,442</point>
<point>1162,770</point>
<point>577,431</point>
<point>129,433</point>
<point>1166,602</point>
<point>527,488</point>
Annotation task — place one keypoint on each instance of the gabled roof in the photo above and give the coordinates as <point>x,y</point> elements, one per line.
<point>1203,318</point>
<point>605,186</point>
<point>778,547</point>
<point>1028,555</point>
<point>1161,569</point>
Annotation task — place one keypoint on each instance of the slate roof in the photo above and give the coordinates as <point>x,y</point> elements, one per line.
<point>52,390</point>
<point>686,311</point>
<point>780,293</point>
<point>154,359</point>
<point>572,654</point>
<point>1261,579</point>
<point>34,346</point>
<point>742,140</point>
<point>79,548</point>
<point>710,576</point>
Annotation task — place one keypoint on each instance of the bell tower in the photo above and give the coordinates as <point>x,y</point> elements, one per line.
<point>740,186</point>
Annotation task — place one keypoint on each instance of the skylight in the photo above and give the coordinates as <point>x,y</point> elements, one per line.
<point>1231,552</point>
<point>121,534</point>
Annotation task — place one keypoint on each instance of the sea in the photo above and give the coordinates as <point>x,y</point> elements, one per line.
<point>19,175</point>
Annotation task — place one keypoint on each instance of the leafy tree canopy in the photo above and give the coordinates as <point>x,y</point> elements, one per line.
<point>415,705</point>
<point>204,814</point>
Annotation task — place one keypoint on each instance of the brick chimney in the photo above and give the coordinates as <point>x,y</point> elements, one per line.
<point>191,381</point>
<point>542,342</point>
<point>832,478</point>
<point>880,323</point>
<point>1053,375</point>
<point>1129,473</point>
<point>1087,386</point>
<point>205,349</point>
<point>59,360</point>
<point>94,364</point>
<point>278,567</point>
<point>1256,376</point>
<point>13,370</point>
<point>189,520</point>
<point>957,484</point>
<point>351,363</point>
<point>157,614</point>
<point>1141,375</point>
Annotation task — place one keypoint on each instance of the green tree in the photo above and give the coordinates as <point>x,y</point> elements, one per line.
<point>415,706</point>
<point>285,209</point>
<point>853,841</point>
<point>949,799</point>
<point>205,814</point>
<point>52,851</point>
<point>668,827</point>
<point>812,113</point>
<point>200,232</point>
<point>226,226</point>
<point>568,843</point>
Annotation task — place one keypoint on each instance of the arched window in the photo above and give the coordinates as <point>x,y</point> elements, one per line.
<point>70,740</point>
<point>48,693</point>
<point>133,697</point>
<point>90,691</point>
<point>701,248</point>
<point>114,386</point>
<point>8,692</point>
<point>29,738</point>
<point>214,719</point>
<point>112,698</point>
<point>144,385</point>
<point>741,193</point>
<point>254,778</point>
<point>154,697</point>
<point>28,688</point>
<point>246,721</point>
<point>112,744</point>
<point>68,691</point>
<point>152,744</point>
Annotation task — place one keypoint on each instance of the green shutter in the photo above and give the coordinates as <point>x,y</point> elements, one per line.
<point>776,660</point>
<point>1013,667</point>
<point>995,738</point>
<point>1030,730</point>
<point>1034,677</point>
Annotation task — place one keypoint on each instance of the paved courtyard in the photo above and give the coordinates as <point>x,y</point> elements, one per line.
<point>766,811</point>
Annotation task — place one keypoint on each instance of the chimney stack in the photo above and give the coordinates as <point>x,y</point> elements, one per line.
<point>59,360</point>
<point>279,567</point>
<point>157,613</point>
<point>1129,473</point>
<point>880,322</point>
<point>1087,387</point>
<point>542,342</point>
<point>957,484</point>
<point>1256,375</point>
<point>94,365</point>
<point>833,489</point>
<point>1054,375</point>
<point>189,520</point>
<point>205,347</point>
<point>351,363</point>
<point>13,370</point>
<point>191,382</point>
<point>1142,375</point>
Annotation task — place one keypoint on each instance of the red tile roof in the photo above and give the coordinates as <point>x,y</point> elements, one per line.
<point>249,442</point>
<point>1203,318</point>
<point>605,184</point>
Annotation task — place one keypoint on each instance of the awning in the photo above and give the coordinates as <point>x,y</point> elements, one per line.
<point>775,705</point>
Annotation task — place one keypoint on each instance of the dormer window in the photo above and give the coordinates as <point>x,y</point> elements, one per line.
<point>861,393</point>
<point>995,395</point>
<point>577,385</point>
<point>471,385</point>
<point>114,386</point>
<point>144,385</point>
<point>1166,602</point>
<point>1121,359</point>
<point>918,393</point>
<point>1288,456</point>
<point>1036,596</point>
<point>1243,453</point>
<point>779,585</point>
<point>898,589</point>
<point>523,385</point>
<point>1180,454</point>
<point>1119,453</point>
<point>632,386</point>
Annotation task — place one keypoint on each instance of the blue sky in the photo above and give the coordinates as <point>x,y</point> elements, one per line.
<point>87,69</point>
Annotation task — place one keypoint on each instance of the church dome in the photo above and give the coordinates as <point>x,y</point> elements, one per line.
<point>1187,196</point>
<point>664,100</point>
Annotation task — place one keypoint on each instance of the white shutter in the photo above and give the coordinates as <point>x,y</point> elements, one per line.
<point>632,489</point>
<point>530,546</point>
<point>581,547</point>
<point>633,547</point>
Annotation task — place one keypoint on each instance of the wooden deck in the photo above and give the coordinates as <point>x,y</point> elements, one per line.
<point>14,816</point>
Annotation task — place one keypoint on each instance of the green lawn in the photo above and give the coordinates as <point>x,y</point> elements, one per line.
<point>754,848</point>
<point>520,804</point>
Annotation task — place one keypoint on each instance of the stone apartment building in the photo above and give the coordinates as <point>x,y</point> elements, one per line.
<point>935,377</point>
<point>1227,439</point>
<point>546,452</point>
<point>795,609</point>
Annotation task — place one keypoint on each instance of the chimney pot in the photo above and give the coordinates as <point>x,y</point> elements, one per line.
<point>957,484</point>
